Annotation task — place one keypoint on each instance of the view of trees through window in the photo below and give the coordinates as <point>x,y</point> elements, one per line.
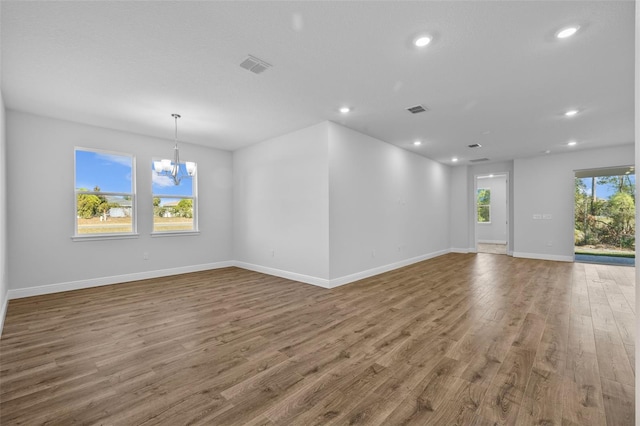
<point>174,205</point>
<point>104,192</point>
<point>605,215</point>
<point>483,203</point>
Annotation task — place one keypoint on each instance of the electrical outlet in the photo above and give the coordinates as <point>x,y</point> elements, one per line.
<point>145,255</point>
<point>273,253</point>
<point>549,243</point>
<point>373,253</point>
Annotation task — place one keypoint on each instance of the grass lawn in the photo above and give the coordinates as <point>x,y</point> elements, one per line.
<point>605,251</point>
<point>124,224</point>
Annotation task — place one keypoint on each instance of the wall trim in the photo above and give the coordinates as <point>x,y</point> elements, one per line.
<point>115,279</point>
<point>539,256</point>
<point>492,241</point>
<point>307,279</point>
<point>336,282</point>
<point>3,312</point>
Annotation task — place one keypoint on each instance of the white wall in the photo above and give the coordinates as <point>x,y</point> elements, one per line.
<point>4,279</point>
<point>459,214</point>
<point>328,205</point>
<point>387,207</point>
<point>496,230</point>
<point>281,202</point>
<point>545,185</point>
<point>41,208</point>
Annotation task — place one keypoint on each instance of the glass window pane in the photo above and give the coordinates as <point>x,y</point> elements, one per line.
<point>165,185</point>
<point>172,214</point>
<point>484,213</point>
<point>484,196</point>
<point>99,214</point>
<point>104,171</point>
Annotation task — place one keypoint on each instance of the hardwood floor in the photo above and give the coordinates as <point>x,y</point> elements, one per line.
<point>462,339</point>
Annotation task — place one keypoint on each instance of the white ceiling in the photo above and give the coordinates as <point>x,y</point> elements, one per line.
<point>494,74</point>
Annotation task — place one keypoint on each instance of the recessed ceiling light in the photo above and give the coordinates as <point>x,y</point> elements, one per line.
<point>345,110</point>
<point>546,152</point>
<point>490,176</point>
<point>571,112</point>
<point>567,32</point>
<point>422,41</point>
<point>417,143</point>
<point>572,143</point>
<point>454,159</point>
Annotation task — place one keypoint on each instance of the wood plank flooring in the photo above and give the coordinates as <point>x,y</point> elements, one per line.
<point>463,339</point>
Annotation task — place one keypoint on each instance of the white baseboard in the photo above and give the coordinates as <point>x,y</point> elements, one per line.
<point>308,279</point>
<point>540,256</point>
<point>492,241</point>
<point>385,268</point>
<point>3,311</point>
<point>116,279</point>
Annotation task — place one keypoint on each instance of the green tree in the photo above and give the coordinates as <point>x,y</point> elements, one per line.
<point>184,208</point>
<point>158,210</point>
<point>87,205</point>
<point>621,183</point>
<point>622,211</point>
<point>483,203</point>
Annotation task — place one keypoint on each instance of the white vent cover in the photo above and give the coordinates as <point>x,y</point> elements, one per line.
<point>478,160</point>
<point>255,65</point>
<point>417,109</point>
<point>475,145</point>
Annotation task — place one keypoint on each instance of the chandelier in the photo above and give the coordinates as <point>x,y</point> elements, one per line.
<point>171,168</point>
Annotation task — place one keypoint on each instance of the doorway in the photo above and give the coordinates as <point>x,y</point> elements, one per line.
<point>491,213</point>
<point>604,216</point>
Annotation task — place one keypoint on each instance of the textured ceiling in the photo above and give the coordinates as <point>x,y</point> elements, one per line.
<point>494,73</point>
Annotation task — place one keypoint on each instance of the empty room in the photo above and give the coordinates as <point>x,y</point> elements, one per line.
<point>318,213</point>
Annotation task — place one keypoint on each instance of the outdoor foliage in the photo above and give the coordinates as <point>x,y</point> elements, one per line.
<point>184,208</point>
<point>483,203</point>
<point>605,222</point>
<point>92,205</point>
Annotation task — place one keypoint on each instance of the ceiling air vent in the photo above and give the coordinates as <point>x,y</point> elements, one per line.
<point>255,65</point>
<point>475,145</point>
<point>478,160</point>
<point>416,109</point>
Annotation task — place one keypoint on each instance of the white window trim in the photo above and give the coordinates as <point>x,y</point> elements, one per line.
<point>134,200</point>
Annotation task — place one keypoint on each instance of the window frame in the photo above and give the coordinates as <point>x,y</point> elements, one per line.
<point>194,197</point>
<point>478,205</point>
<point>134,208</point>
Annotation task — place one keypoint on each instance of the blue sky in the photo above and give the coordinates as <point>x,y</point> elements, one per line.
<point>604,191</point>
<point>112,173</point>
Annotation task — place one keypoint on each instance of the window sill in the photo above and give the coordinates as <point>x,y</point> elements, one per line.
<point>99,237</point>
<point>483,223</point>
<point>174,234</point>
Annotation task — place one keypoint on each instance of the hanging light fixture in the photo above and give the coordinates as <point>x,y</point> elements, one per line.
<point>170,168</point>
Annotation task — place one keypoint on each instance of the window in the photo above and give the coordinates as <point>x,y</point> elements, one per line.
<point>483,203</point>
<point>174,206</point>
<point>105,197</point>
